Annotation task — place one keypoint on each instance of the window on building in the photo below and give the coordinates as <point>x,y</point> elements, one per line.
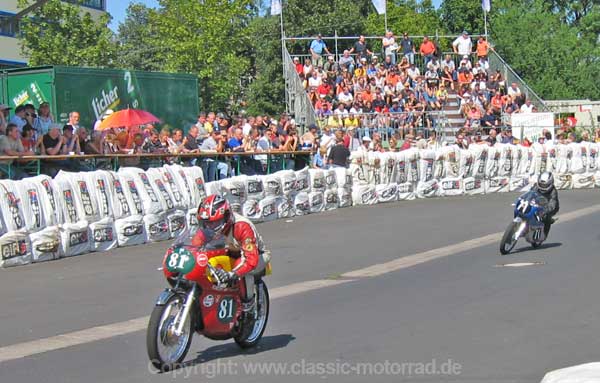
<point>97,4</point>
<point>7,28</point>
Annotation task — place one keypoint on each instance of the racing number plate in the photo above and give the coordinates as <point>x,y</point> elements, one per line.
<point>180,261</point>
<point>226,309</point>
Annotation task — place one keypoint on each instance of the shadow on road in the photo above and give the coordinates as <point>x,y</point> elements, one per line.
<point>230,349</point>
<point>529,248</point>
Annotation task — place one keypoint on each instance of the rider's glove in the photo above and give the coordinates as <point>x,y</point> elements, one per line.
<point>225,277</point>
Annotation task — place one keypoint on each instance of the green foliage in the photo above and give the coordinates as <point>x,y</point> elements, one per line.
<point>236,53</point>
<point>209,38</point>
<point>408,16</point>
<point>266,93</point>
<point>555,61</point>
<point>459,15</point>
<point>59,33</point>
<point>137,39</point>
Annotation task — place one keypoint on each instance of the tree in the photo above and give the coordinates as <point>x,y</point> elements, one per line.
<point>407,16</point>
<point>459,15</point>
<point>346,18</point>
<point>137,37</point>
<point>556,61</point>
<point>265,94</point>
<point>209,38</point>
<point>60,33</point>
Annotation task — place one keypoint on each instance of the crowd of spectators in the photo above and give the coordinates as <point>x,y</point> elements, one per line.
<point>30,132</point>
<point>402,91</point>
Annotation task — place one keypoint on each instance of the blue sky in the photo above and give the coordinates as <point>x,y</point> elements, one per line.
<point>117,9</point>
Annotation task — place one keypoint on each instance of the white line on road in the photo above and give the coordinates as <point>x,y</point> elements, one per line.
<point>21,350</point>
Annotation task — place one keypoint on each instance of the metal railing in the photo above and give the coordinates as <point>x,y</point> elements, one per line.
<point>388,124</point>
<point>264,162</point>
<point>297,102</point>
<point>510,76</point>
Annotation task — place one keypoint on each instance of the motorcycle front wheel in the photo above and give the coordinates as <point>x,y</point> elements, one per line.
<point>251,335</point>
<point>508,242</point>
<point>165,348</point>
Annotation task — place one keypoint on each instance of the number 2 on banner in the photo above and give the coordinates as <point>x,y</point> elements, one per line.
<point>130,87</point>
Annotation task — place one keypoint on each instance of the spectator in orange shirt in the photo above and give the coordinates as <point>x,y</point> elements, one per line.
<point>427,49</point>
<point>367,95</point>
<point>497,102</point>
<point>482,47</point>
<point>465,77</point>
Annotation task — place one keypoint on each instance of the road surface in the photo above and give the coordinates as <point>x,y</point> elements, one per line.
<point>440,307</point>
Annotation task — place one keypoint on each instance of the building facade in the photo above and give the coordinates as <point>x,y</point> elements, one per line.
<point>10,50</point>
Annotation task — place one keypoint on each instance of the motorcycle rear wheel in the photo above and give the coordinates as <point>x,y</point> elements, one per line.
<point>508,242</point>
<point>249,338</point>
<point>160,337</point>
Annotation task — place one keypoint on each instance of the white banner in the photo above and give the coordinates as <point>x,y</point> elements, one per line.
<point>486,5</point>
<point>531,125</point>
<point>276,7</point>
<point>379,6</point>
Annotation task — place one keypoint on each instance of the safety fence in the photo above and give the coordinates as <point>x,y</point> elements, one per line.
<point>76,213</point>
<point>237,162</point>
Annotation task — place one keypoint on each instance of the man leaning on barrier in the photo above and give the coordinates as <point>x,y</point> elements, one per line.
<point>10,145</point>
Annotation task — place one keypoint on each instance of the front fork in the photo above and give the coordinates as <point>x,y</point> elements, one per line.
<point>183,314</point>
<point>522,226</point>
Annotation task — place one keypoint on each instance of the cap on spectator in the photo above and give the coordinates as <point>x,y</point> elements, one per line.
<point>320,35</point>
<point>330,58</point>
<point>466,57</point>
<point>367,139</point>
<point>312,127</point>
<point>364,60</point>
<point>68,127</point>
<point>465,32</point>
<point>5,107</point>
<point>220,115</point>
<point>296,59</point>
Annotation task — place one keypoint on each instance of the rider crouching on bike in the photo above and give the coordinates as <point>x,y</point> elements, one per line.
<point>545,186</point>
<point>242,240</point>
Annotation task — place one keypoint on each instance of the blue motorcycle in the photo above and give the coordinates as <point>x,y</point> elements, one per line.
<point>527,222</point>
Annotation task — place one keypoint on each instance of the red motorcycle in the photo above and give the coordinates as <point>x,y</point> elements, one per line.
<point>197,301</point>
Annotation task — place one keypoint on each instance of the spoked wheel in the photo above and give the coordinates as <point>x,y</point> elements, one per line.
<point>165,348</point>
<point>251,335</point>
<point>508,241</point>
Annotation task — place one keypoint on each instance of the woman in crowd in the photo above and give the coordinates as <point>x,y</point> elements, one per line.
<point>28,139</point>
<point>44,119</point>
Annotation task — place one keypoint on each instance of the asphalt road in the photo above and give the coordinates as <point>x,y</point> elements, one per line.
<point>494,324</point>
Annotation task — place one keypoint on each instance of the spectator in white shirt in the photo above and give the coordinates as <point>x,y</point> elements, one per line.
<point>346,97</point>
<point>463,44</point>
<point>527,107</point>
<point>314,81</point>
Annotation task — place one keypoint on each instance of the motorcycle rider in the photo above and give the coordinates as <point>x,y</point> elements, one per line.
<point>545,186</point>
<point>242,240</point>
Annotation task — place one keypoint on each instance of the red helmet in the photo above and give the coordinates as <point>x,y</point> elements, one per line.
<point>214,214</point>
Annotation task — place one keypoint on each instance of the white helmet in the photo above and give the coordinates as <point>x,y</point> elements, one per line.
<point>545,182</point>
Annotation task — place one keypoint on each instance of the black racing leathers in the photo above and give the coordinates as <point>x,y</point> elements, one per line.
<point>551,208</point>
